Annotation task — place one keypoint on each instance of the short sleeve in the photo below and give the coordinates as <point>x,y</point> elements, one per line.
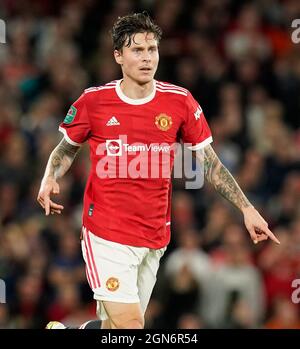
<point>76,125</point>
<point>195,129</point>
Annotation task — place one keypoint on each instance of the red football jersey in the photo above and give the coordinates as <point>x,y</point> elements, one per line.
<point>128,193</point>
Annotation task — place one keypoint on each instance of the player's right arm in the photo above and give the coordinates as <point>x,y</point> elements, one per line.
<point>76,130</point>
<point>58,164</point>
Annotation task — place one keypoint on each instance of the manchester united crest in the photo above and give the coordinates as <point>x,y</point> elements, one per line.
<point>163,122</point>
<point>112,284</point>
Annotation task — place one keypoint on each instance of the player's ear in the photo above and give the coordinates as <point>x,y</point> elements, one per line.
<point>118,56</point>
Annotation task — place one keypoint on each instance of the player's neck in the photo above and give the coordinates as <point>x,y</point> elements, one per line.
<point>134,90</point>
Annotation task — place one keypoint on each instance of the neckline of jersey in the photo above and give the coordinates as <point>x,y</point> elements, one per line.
<point>138,101</point>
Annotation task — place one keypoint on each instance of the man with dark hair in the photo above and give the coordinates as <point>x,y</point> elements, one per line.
<point>131,125</point>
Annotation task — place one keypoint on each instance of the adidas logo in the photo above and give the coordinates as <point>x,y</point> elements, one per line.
<point>112,121</point>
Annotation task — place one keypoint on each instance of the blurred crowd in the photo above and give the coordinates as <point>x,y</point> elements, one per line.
<point>238,60</point>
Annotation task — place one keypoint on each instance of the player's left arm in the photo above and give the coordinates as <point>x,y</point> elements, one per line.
<point>224,183</point>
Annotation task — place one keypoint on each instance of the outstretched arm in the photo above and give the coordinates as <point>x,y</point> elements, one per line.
<point>224,183</point>
<point>218,175</point>
<point>58,164</point>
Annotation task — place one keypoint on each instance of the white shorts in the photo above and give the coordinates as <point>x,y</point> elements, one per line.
<point>119,273</point>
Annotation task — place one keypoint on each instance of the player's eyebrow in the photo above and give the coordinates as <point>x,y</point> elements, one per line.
<point>142,47</point>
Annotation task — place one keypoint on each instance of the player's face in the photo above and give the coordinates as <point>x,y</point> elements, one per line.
<point>139,61</point>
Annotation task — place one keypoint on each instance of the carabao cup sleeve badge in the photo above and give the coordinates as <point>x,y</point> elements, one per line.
<point>70,115</point>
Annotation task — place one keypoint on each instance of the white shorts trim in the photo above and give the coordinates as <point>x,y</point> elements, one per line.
<point>117,300</point>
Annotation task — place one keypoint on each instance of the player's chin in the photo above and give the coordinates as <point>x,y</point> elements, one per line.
<point>144,81</point>
<point>145,78</point>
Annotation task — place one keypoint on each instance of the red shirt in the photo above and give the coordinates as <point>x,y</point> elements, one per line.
<point>129,140</point>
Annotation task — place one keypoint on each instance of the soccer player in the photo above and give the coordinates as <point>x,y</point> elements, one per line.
<point>126,217</point>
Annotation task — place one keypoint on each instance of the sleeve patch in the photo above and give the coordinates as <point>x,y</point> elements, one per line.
<point>70,115</point>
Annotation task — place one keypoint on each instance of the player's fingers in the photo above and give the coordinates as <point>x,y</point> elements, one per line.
<point>262,237</point>
<point>56,206</point>
<point>47,204</point>
<point>272,236</point>
<point>55,211</point>
<point>253,235</point>
<point>40,201</point>
<point>41,197</point>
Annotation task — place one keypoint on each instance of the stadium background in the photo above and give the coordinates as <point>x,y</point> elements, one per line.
<point>239,61</point>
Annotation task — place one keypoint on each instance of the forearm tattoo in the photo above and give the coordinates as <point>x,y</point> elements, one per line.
<point>219,176</point>
<point>61,159</point>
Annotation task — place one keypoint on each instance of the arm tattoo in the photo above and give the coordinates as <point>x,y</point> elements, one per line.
<point>61,159</point>
<point>218,175</point>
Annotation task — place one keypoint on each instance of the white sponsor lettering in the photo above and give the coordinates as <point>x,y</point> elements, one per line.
<point>119,159</point>
<point>296,32</point>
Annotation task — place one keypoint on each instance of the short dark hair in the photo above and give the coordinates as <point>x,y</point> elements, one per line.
<point>128,25</point>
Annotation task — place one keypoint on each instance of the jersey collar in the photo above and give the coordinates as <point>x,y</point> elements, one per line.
<point>138,101</point>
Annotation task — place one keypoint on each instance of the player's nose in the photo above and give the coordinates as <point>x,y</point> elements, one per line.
<point>146,56</point>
